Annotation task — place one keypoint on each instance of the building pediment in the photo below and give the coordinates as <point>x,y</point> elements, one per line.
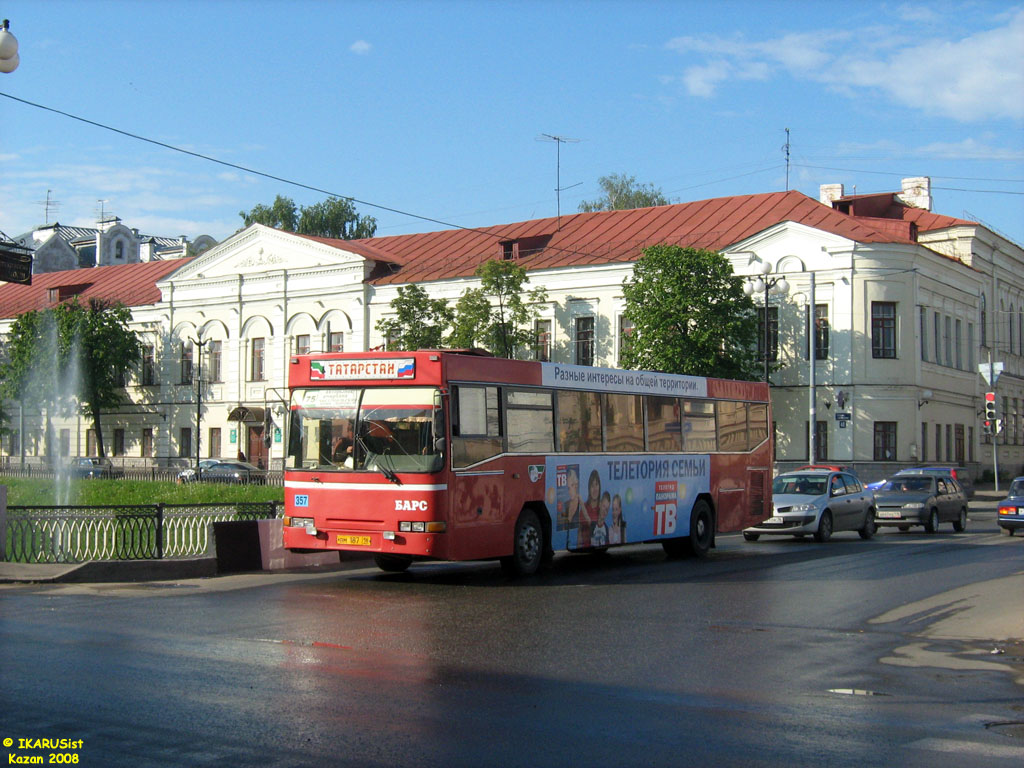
<point>258,250</point>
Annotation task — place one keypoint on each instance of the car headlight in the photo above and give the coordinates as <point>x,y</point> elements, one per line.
<point>803,508</point>
<point>915,505</point>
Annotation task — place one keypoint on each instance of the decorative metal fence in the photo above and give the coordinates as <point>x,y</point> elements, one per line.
<point>42,534</point>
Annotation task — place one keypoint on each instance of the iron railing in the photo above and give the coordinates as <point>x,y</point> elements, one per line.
<point>50,534</point>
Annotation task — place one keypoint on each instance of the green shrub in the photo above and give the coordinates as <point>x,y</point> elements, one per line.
<point>37,492</point>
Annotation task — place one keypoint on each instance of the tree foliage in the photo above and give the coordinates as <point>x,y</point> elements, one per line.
<point>334,217</point>
<point>420,322</point>
<point>621,192</point>
<point>499,314</point>
<point>71,358</point>
<point>689,315</point>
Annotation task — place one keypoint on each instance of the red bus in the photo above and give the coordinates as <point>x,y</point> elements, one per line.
<point>456,455</point>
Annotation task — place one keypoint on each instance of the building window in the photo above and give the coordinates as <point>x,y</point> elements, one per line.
<point>773,333</point>
<point>822,330</point>
<point>885,441</point>
<point>949,341</point>
<point>119,442</point>
<point>148,373</point>
<point>542,340</point>
<point>147,442</point>
<point>883,330</point>
<point>821,441</point>
<point>970,443</point>
<point>302,344</point>
<point>584,341</point>
<point>924,441</point>
<point>1004,416</point>
<point>65,442</point>
<point>336,341</point>
<point>185,443</point>
<point>214,443</point>
<point>625,335</point>
<point>938,338</point>
<point>970,347</point>
<point>1009,329</point>
<point>959,444</point>
<point>213,357</point>
<point>938,442</point>
<point>256,372</point>
<point>983,319</point>
<point>119,250</point>
<point>949,442</point>
<point>186,362</point>
<point>958,328</point>
<point>924,335</point>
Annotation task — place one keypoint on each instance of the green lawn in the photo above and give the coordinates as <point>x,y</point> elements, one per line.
<point>31,491</point>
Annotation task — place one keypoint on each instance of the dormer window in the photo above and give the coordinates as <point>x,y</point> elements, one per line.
<point>119,250</point>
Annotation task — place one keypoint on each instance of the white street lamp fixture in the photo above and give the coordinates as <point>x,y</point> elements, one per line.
<point>9,58</point>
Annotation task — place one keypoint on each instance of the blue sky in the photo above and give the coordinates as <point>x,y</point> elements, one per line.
<point>438,108</point>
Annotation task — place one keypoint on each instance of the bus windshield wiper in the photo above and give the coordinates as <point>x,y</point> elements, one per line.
<point>378,465</point>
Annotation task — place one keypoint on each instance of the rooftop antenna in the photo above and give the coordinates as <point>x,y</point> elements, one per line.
<point>785,151</point>
<point>559,141</point>
<point>103,212</point>
<point>48,205</point>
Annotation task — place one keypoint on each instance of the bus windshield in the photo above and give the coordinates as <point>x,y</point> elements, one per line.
<point>384,429</point>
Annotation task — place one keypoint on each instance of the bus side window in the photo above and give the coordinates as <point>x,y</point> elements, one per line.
<point>476,433</point>
<point>529,421</point>
<point>699,432</point>
<point>579,422</point>
<point>732,425</point>
<point>758,425</point>
<point>664,424</point>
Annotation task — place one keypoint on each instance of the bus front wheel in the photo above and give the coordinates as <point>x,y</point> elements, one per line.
<point>527,546</point>
<point>392,563</point>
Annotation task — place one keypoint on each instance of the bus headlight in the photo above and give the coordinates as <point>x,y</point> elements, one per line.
<point>434,526</point>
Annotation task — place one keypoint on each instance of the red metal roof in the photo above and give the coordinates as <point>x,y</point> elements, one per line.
<point>130,284</point>
<point>612,236</point>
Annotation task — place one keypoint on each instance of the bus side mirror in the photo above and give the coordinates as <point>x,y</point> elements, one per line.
<point>440,444</point>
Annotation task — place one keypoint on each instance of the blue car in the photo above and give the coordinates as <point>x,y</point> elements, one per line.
<point>1011,509</point>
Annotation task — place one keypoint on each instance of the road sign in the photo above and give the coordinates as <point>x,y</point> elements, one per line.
<point>990,370</point>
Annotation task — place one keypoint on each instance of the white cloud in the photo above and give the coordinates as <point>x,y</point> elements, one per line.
<point>360,47</point>
<point>971,78</point>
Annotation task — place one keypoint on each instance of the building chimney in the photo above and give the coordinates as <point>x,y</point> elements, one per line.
<point>828,193</point>
<point>917,192</point>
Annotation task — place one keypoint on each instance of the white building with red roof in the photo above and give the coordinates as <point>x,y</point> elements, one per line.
<point>901,305</point>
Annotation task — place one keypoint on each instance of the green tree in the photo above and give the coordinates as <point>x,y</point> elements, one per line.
<point>499,314</point>
<point>71,357</point>
<point>689,315</point>
<point>334,217</point>
<point>420,322</point>
<point>621,192</point>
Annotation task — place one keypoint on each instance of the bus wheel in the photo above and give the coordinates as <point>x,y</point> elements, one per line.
<point>702,529</point>
<point>527,546</point>
<point>392,563</point>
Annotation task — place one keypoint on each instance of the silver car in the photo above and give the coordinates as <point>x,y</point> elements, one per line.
<point>906,500</point>
<point>817,502</point>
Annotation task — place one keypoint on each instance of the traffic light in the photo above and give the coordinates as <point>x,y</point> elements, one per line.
<point>990,406</point>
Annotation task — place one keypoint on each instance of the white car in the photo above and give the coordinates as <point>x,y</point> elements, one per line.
<point>817,502</point>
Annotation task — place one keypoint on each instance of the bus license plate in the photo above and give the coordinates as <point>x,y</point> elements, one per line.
<point>354,541</point>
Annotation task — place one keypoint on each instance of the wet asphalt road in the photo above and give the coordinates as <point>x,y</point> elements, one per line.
<point>618,660</point>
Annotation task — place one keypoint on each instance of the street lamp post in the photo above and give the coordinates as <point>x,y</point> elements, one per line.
<point>764,284</point>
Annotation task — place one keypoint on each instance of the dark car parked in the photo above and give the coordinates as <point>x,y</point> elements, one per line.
<point>923,499</point>
<point>1011,509</point>
<point>93,467</point>
<point>961,477</point>
<point>231,471</point>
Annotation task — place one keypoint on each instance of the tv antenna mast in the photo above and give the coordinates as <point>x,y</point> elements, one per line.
<point>49,204</point>
<point>785,152</point>
<point>559,141</point>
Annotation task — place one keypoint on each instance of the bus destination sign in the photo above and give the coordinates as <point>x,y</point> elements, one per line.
<point>361,370</point>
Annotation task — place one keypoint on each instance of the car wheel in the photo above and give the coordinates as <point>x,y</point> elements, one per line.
<point>527,546</point>
<point>932,524</point>
<point>392,563</point>
<point>960,524</point>
<point>824,532</point>
<point>869,528</point>
<point>751,536</point>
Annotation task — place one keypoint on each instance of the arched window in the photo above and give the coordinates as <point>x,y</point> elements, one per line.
<point>119,250</point>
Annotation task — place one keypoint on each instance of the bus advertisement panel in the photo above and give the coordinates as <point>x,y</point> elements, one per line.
<point>604,501</point>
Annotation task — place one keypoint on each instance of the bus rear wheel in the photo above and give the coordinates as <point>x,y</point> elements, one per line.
<point>527,546</point>
<point>392,563</point>
<point>702,533</point>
